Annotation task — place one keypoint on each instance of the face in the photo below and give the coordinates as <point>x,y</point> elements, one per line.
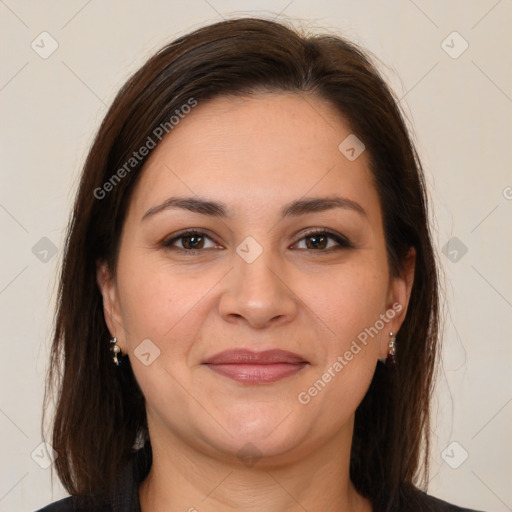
<point>253,278</point>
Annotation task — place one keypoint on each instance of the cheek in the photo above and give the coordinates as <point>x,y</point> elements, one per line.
<point>347,299</point>
<point>352,301</point>
<point>160,302</point>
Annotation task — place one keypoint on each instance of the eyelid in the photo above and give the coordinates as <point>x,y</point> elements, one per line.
<point>342,241</point>
<point>189,231</point>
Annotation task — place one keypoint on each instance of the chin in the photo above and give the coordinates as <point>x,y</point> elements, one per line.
<point>270,435</point>
<point>262,449</point>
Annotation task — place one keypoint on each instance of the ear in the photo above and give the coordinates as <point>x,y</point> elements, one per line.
<point>111,310</point>
<point>399,294</point>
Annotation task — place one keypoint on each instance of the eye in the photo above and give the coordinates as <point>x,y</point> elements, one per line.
<point>319,240</point>
<point>191,241</point>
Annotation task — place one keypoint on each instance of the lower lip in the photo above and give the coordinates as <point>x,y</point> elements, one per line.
<point>257,373</point>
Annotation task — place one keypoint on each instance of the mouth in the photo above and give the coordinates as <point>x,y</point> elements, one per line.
<point>256,367</point>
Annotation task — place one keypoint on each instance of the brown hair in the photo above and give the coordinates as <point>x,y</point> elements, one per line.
<point>100,408</point>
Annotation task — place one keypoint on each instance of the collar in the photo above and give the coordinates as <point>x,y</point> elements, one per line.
<point>125,494</point>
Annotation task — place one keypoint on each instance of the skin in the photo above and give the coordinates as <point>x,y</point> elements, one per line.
<point>255,155</point>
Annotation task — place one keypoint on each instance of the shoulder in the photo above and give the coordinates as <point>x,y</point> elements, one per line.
<point>122,496</point>
<point>63,505</point>
<point>79,503</point>
<point>433,504</point>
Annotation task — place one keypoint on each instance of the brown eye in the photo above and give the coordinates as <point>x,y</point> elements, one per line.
<point>190,241</point>
<point>316,241</point>
<point>319,241</point>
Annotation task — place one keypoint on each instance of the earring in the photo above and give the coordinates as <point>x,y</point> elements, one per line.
<point>391,360</point>
<point>115,349</point>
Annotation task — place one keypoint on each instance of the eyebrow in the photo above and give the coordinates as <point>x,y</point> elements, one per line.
<point>293,209</point>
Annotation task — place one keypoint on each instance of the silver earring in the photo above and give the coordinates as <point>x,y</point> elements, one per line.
<point>391,360</point>
<point>115,349</point>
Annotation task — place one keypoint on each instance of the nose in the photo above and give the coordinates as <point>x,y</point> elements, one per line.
<point>258,292</point>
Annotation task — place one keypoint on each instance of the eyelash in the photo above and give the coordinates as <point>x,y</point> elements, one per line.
<point>344,243</point>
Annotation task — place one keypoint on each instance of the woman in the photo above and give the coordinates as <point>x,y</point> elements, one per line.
<point>248,308</point>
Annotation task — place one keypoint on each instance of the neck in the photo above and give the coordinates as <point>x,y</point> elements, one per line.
<point>189,478</point>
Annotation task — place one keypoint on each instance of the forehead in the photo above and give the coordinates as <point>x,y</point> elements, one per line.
<point>254,152</point>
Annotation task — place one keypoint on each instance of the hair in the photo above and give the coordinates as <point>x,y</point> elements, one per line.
<point>100,409</point>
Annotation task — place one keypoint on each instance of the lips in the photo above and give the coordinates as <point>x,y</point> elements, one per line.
<point>242,356</point>
<point>256,367</point>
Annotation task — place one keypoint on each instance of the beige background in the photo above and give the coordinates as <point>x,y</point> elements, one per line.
<point>461,110</point>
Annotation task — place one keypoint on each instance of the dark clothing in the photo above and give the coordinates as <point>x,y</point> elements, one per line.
<point>124,496</point>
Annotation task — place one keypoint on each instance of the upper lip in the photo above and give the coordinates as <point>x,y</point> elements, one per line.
<point>243,356</point>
